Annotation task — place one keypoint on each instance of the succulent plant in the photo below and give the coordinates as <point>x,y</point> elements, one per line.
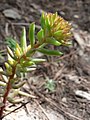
<point>54,30</point>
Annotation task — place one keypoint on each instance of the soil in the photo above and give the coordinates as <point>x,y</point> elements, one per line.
<point>71,73</point>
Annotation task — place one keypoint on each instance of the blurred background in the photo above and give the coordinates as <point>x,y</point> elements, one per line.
<point>71,72</point>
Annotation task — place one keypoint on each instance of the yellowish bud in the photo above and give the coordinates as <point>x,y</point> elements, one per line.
<point>58,24</point>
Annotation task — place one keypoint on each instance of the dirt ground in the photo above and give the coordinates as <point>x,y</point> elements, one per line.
<point>71,72</point>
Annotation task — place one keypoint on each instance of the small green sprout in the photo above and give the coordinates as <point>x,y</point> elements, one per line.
<point>50,85</point>
<point>55,31</point>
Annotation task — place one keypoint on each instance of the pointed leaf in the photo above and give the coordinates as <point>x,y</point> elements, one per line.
<point>23,40</point>
<point>5,79</point>
<point>47,24</point>
<point>11,61</point>
<point>43,20</point>
<point>32,34</point>
<point>2,83</point>
<point>27,64</point>
<point>38,60</point>
<point>58,33</point>
<point>55,16</point>
<point>26,94</point>
<point>8,68</point>
<point>18,51</point>
<point>7,65</point>
<point>49,52</point>
<point>10,52</point>
<point>53,41</point>
<point>30,69</point>
<point>40,36</point>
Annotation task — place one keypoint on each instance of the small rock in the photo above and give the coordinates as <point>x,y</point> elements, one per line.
<point>11,13</point>
<point>76,16</point>
<point>64,100</point>
<point>62,13</point>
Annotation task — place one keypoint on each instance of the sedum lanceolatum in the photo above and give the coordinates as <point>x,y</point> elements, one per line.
<point>54,30</point>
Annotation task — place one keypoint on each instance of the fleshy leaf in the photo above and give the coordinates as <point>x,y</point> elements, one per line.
<point>26,94</point>
<point>40,36</point>
<point>32,34</point>
<point>38,60</point>
<point>5,79</point>
<point>18,51</point>
<point>27,64</point>
<point>53,41</point>
<point>23,40</point>
<point>58,33</point>
<point>47,24</point>
<point>11,61</point>
<point>30,69</point>
<point>49,52</point>
<point>8,68</point>
<point>43,20</point>
<point>2,83</point>
<point>10,52</point>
